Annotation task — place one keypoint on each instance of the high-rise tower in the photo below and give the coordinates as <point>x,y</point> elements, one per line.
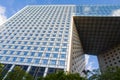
<point>45,38</point>
<point>38,38</point>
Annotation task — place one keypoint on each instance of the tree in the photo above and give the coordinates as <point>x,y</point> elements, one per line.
<point>1,68</point>
<point>111,73</point>
<point>95,74</point>
<point>61,75</point>
<point>18,74</point>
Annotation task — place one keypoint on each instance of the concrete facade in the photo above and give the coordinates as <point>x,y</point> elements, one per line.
<point>109,58</point>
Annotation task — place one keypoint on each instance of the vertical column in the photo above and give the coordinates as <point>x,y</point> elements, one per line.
<point>46,70</point>
<point>28,69</point>
<point>11,68</point>
<point>9,71</point>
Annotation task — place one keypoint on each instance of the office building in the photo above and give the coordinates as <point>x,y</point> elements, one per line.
<point>43,39</point>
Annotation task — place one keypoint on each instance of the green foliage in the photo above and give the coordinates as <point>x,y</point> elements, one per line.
<point>95,74</point>
<point>61,75</point>
<point>1,67</point>
<point>111,73</point>
<point>18,74</point>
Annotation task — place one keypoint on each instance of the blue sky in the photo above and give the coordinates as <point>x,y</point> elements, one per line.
<point>10,7</point>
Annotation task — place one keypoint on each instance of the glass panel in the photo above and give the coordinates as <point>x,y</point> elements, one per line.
<point>53,62</point>
<point>61,63</point>
<point>44,61</point>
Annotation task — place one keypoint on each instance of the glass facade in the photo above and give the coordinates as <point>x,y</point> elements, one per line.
<point>97,10</point>
<point>37,34</point>
<point>40,36</point>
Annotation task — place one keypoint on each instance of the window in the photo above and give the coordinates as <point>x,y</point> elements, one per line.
<point>15,47</point>
<point>57,44</point>
<point>53,62</point>
<point>66,35</point>
<point>62,63</point>
<point>44,61</point>
<point>34,38</point>
<point>22,38</point>
<point>13,42</point>
<point>64,44</point>
<point>44,43</point>
<point>7,58</point>
<point>1,41</point>
<point>8,41</point>
<point>47,55</point>
<point>60,31</point>
<point>56,49</point>
<point>28,38</point>
<point>38,43</point>
<point>31,43</point>
<point>37,61</point>
<point>5,51</point>
<point>63,56</point>
<point>35,48</point>
<point>53,35</point>
<point>31,34</point>
<point>39,54</point>
<point>29,60</point>
<point>22,47</point>
<point>42,34</point>
<point>49,48</point>
<point>25,53</point>
<point>3,46</point>
<point>19,42</point>
<point>46,39</point>
<point>60,35</point>
<point>14,58</point>
<point>58,39</point>
<point>28,47</point>
<point>11,52</point>
<point>42,48</point>
<point>25,34</point>
<point>9,46</point>
<point>18,53</point>
<point>65,39</point>
<point>32,53</point>
<point>55,55</point>
<point>48,35</point>
<point>52,39</point>
<point>63,49</point>
<point>51,44</point>
<point>36,34</point>
<point>25,42</point>
<point>0,57</point>
<point>22,59</point>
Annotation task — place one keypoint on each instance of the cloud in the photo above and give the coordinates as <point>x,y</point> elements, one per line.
<point>3,18</point>
<point>90,66</point>
<point>86,58</point>
<point>90,62</point>
<point>116,12</point>
<point>86,9</point>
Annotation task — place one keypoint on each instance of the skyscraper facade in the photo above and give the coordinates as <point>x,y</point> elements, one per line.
<point>42,39</point>
<point>38,39</point>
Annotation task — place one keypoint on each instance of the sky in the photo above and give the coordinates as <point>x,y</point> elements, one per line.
<point>10,7</point>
